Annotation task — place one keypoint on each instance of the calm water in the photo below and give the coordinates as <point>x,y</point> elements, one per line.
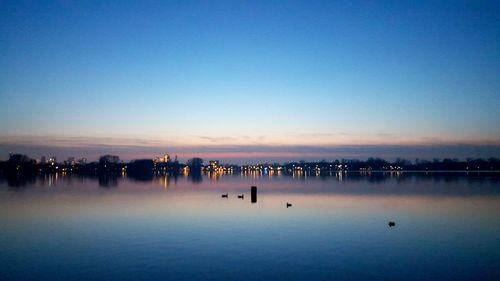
<point>77,228</point>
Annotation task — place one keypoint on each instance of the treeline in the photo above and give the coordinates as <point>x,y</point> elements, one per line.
<point>378,164</point>
<point>111,164</point>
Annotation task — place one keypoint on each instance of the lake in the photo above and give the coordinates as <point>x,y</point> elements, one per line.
<point>61,227</point>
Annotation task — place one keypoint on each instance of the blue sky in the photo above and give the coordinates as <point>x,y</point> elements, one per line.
<point>150,76</point>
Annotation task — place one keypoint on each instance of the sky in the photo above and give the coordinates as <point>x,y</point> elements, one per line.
<point>245,81</point>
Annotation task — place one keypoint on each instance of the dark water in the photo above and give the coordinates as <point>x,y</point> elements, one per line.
<point>77,228</point>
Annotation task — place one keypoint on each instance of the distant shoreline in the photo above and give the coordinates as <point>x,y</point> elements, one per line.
<point>111,165</point>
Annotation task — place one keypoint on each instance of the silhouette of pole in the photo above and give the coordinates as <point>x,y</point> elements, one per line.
<point>254,194</point>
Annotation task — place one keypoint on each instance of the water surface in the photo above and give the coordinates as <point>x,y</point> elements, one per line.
<point>166,228</point>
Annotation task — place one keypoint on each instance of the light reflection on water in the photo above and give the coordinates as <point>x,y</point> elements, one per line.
<point>179,228</point>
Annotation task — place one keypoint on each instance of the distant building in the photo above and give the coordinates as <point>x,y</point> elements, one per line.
<point>82,161</point>
<point>164,159</point>
<point>213,164</point>
<point>43,160</point>
<point>52,160</point>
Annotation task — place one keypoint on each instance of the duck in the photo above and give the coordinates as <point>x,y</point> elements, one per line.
<point>241,196</point>
<point>391,224</point>
<point>288,204</point>
<point>225,195</point>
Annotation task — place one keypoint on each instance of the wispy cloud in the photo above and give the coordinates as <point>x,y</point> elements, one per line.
<point>217,139</point>
<point>133,148</point>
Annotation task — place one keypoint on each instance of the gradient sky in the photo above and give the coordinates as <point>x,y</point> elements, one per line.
<point>250,79</point>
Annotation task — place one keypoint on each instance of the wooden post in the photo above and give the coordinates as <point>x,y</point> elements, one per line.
<point>254,194</point>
